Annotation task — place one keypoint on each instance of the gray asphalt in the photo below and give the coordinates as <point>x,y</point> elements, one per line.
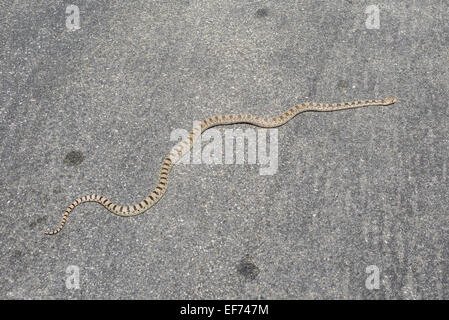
<point>91,110</point>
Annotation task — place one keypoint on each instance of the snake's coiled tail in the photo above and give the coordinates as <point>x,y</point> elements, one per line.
<point>182,147</point>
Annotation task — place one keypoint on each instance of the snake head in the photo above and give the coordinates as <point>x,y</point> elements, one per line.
<point>388,101</point>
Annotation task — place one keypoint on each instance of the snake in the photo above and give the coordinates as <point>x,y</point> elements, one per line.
<point>187,143</point>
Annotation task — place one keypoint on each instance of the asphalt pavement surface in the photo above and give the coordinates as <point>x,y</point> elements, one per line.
<point>91,94</point>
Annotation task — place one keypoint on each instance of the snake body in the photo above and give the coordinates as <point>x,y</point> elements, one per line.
<point>182,147</point>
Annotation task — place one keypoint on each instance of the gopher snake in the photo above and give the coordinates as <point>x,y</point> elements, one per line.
<point>182,147</point>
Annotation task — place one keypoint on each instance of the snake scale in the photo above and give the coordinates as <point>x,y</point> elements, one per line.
<point>182,147</point>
